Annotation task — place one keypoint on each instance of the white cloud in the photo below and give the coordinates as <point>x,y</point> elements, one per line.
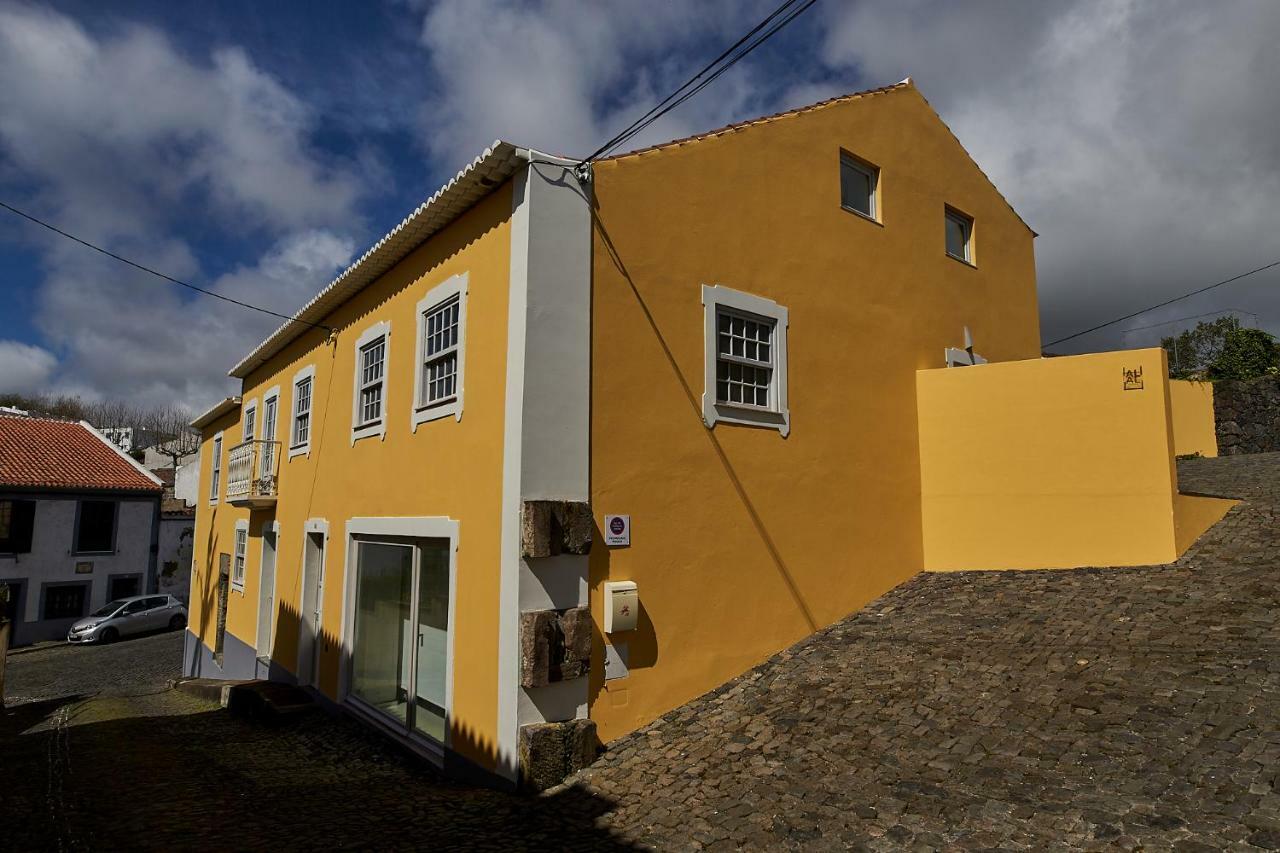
<point>24,369</point>
<point>1136,137</point>
<point>121,138</point>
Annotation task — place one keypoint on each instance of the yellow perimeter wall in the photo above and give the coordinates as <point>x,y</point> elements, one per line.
<point>446,468</point>
<point>1052,463</point>
<point>1194,431</point>
<point>743,541</point>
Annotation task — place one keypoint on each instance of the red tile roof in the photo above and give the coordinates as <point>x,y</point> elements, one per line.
<point>43,453</point>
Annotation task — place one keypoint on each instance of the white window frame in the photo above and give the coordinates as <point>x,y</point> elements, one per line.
<point>422,412</point>
<point>215,469</point>
<point>358,430</point>
<point>778,415</point>
<point>251,408</point>
<point>240,555</point>
<point>967,221</point>
<point>873,173</point>
<point>302,448</point>
<point>272,393</point>
<point>410,527</point>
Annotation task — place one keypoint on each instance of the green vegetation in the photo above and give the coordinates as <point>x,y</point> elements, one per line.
<point>1221,349</point>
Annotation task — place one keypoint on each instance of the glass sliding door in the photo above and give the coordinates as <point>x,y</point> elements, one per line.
<point>401,632</point>
<point>380,655</point>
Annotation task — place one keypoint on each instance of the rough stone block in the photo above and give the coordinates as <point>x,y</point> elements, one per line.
<point>551,751</point>
<point>554,646</point>
<point>548,528</point>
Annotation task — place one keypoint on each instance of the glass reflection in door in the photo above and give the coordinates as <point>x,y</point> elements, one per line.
<point>401,635</point>
<point>380,655</point>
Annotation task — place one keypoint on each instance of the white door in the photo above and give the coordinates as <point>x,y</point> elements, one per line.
<point>312,598</point>
<point>267,592</point>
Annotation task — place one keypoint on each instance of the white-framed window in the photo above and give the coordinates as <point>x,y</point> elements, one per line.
<point>959,236</point>
<point>441,352</point>
<point>369,406</point>
<point>745,352</point>
<point>270,418</point>
<point>859,186</point>
<point>304,382</point>
<point>249,423</point>
<point>215,469</point>
<point>237,560</point>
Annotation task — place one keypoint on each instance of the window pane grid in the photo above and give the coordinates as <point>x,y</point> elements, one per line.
<point>237,574</point>
<point>440,349</point>
<point>372,358</point>
<point>744,360</point>
<point>302,412</point>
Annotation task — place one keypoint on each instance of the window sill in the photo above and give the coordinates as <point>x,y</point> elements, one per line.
<point>968,263</point>
<point>747,416</point>
<point>861,215</point>
<point>94,553</point>
<point>436,411</point>
<point>369,430</point>
<point>300,450</point>
<point>237,587</point>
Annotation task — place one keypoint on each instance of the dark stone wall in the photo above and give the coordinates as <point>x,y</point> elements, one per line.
<point>1246,415</point>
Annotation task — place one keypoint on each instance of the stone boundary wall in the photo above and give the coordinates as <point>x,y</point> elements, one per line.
<point>1246,415</point>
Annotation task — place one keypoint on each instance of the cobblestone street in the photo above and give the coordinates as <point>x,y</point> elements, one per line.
<point>1097,709</point>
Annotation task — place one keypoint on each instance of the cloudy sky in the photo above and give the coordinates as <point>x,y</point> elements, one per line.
<point>256,148</point>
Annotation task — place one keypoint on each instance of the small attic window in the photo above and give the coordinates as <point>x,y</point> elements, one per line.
<point>959,236</point>
<point>858,184</point>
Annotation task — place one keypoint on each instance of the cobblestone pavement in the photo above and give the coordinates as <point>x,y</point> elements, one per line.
<point>1096,709</point>
<point>50,672</point>
<point>1109,708</point>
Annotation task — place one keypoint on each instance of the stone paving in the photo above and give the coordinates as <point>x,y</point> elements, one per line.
<point>1108,708</point>
<point>1092,709</point>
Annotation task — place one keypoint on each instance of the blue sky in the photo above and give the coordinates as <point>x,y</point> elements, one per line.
<point>256,148</point>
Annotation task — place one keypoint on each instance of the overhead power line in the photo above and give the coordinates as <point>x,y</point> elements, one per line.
<point>771,25</point>
<point>1162,304</point>
<point>1194,317</point>
<point>157,274</point>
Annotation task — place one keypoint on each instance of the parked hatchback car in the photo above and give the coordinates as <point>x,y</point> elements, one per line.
<point>136,614</point>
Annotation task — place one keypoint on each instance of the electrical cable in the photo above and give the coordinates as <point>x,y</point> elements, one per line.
<point>1193,317</point>
<point>735,53</point>
<point>1162,304</point>
<point>146,269</point>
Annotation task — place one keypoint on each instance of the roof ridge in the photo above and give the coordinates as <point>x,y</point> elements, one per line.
<point>906,83</point>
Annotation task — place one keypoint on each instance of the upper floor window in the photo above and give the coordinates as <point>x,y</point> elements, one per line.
<point>95,527</point>
<point>858,184</point>
<point>250,423</point>
<point>17,522</point>
<point>959,236</point>
<point>442,321</point>
<point>242,546</point>
<point>300,432</point>
<point>745,339</point>
<point>215,470</point>
<point>372,356</point>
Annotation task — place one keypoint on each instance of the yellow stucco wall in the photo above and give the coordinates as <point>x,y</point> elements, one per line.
<point>214,531</point>
<point>1047,463</point>
<point>1193,424</point>
<point>447,468</point>
<point>743,541</point>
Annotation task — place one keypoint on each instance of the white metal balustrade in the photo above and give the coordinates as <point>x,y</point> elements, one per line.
<point>253,473</point>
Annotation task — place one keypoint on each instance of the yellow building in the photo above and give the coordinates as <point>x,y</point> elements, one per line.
<point>571,446</point>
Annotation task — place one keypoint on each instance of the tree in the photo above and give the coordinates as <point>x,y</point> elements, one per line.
<point>1192,352</point>
<point>172,426</point>
<point>1246,354</point>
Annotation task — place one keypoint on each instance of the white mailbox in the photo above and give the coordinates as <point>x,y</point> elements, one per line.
<point>621,606</point>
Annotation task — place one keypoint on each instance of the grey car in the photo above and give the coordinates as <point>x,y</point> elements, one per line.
<point>134,615</point>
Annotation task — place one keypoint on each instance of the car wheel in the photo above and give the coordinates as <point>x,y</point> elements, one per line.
<point>178,622</point>
<point>108,635</point>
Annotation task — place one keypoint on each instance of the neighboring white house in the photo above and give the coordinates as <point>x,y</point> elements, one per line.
<point>186,481</point>
<point>79,524</point>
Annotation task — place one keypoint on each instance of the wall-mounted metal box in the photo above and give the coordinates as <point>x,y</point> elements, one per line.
<point>621,606</point>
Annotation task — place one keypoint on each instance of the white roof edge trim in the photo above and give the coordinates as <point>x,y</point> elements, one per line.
<point>217,410</point>
<point>495,164</point>
<point>126,457</point>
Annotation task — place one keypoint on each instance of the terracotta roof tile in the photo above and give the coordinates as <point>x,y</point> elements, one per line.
<point>44,453</point>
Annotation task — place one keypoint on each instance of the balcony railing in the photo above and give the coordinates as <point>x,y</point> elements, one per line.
<point>253,473</point>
